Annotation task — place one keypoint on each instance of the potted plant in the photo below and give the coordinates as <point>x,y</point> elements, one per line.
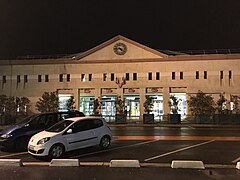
<point>174,117</point>
<point>120,116</point>
<point>221,115</point>
<point>97,107</point>
<point>201,106</point>
<point>148,105</point>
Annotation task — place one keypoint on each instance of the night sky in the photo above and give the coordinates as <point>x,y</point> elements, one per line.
<point>46,27</point>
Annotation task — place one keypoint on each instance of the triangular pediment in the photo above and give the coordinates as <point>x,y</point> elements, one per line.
<point>119,48</point>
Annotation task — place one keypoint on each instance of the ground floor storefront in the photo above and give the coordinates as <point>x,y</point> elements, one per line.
<point>133,100</point>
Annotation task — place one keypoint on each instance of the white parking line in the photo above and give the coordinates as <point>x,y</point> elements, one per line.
<point>179,150</point>
<point>10,155</point>
<point>236,160</point>
<point>117,148</point>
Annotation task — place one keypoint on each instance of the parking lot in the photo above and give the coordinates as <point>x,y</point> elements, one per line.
<point>156,147</point>
<point>149,147</point>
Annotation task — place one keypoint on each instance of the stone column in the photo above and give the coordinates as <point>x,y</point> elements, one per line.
<point>166,97</point>
<point>76,99</point>
<point>142,100</point>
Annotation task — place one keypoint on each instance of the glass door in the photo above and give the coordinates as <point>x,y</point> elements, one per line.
<point>86,104</point>
<point>108,109</point>
<point>132,105</point>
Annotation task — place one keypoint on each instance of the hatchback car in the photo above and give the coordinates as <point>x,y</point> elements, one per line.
<point>70,134</point>
<point>17,136</point>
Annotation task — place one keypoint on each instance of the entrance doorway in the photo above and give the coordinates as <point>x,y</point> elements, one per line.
<point>86,104</point>
<point>157,106</point>
<point>108,110</point>
<point>132,105</point>
<point>63,101</point>
<point>182,105</point>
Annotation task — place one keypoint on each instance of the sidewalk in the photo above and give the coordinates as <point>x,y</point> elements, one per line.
<point>176,125</point>
<point>183,125</point>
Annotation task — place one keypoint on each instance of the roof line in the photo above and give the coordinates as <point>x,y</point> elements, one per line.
<point>114,39</point>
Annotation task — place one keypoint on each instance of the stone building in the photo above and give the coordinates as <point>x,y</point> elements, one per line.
<point>121,66</point>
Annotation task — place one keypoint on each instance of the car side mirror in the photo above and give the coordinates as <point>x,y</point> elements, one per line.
<point>69,131</point>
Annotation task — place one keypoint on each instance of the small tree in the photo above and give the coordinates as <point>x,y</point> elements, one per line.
<point>3,100</point>
<point>235,100</point>
<point>220,104</point>
<point>148,104</point>
<point>97,106</point>
<point>48,103</point>
<point>119,105</point>
<point>201,104</point>
<point>173,104</point>
<point>10,108</point>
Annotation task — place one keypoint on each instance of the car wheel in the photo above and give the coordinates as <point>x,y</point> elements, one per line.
<point>21,144</point>
<point>105,142</point>
<point>56,151</point>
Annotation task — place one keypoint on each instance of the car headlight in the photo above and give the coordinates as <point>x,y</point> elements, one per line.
<point>43,140</point>
<point>6,136</point>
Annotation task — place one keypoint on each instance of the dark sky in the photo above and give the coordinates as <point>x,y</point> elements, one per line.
<point>41,27</point>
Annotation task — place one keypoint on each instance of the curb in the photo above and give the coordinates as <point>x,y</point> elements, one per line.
<point>124,163</point>
<point>117,163</point>
<point>64,162</point>
<point>11,162</point>
<point>187,164</point>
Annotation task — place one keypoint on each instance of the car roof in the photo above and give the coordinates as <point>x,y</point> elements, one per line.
<point>83,118</point>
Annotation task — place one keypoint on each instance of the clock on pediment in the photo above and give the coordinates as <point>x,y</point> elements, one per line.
<point>120,48</point>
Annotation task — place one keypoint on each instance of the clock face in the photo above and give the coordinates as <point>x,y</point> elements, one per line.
<point>120,48</point>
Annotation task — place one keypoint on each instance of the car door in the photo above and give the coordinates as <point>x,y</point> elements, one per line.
<point>82,135</point>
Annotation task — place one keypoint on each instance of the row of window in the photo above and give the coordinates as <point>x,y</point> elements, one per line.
<point>112,77</point>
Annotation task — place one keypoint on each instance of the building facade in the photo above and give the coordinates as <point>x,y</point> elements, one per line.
<point>123,67</point>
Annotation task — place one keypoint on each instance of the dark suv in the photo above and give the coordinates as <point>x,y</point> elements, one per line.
<point>17,136</point>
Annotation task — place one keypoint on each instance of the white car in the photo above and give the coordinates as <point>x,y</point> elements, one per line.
<point>70,134</point>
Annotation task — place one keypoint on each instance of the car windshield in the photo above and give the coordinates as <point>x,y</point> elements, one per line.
<point>27,119</point>
<point>60,126</point>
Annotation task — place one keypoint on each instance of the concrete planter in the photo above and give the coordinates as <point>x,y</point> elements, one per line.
<point>174,119</point>
<point>120,118</point>
<point>148,118</point>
